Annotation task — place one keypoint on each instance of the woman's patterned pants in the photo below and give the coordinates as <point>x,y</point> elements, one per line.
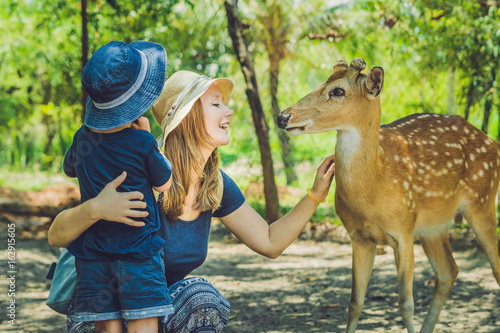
<point>198,308</point>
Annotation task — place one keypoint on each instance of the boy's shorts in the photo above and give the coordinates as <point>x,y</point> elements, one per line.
<point>121,289</point>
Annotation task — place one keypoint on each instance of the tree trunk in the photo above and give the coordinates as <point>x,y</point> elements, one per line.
<point>451,91</point>
<point>474,63</point>
<point>498,139</point>
<point>284,139</point>
<point>48,121</point>
<point>470,99</point>
<point>278,26</point>
<point>246,61</point>
<point>422,97</point>
<point>486,116</point>
<point>488,103</point>
<point>85,52</point>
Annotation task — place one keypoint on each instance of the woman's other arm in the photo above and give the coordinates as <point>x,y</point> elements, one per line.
<point>271,240</point>
<point>108,205</point>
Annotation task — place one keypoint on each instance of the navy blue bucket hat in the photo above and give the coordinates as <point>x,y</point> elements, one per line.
<point>123,81</point>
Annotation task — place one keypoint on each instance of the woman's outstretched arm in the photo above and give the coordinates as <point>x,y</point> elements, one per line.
<point>271,240</point>
<point>108,205</point>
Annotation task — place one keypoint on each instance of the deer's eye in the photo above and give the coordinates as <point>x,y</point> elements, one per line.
<point>337,92</point>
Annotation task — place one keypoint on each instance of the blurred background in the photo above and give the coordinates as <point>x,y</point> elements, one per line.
<point>438,56</point>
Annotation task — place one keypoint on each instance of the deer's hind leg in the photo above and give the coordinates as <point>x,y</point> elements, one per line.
<point>437,249</point>
<point>483,221</point>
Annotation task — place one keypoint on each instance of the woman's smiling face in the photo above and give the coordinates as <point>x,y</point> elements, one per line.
<point>216,116</point>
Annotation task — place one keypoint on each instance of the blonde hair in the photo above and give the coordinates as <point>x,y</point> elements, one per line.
<point>182,148</point>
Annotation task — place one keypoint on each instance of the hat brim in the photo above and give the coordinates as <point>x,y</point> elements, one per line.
<point>141,101</point>
<point>225,87</point>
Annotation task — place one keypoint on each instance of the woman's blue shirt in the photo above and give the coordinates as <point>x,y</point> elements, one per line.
<point>186,242</point>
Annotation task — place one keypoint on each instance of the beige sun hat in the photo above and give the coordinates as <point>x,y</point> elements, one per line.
<point>179,94</point>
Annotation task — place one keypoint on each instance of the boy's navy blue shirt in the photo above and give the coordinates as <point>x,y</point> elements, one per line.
<point>98,158</point>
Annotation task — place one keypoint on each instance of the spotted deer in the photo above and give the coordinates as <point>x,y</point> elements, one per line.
<point>396,181</point>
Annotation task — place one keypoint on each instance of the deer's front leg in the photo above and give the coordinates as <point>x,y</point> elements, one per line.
<point>405,262</point>
<point>363,256</point>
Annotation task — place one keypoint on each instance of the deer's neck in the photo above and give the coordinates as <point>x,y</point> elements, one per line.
<point>357,164</point>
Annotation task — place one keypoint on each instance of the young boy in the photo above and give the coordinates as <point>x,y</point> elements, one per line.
<point>120,272</point>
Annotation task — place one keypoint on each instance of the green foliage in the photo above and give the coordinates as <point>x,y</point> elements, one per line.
<point>418,43</point>
<point>427,38</point>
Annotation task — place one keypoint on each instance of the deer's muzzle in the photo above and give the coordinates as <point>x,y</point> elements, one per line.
<point>283,120</point>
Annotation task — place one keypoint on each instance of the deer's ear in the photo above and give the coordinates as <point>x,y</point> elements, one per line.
<point>375,81</point>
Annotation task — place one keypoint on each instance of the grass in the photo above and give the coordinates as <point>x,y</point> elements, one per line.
<point>30,180</point>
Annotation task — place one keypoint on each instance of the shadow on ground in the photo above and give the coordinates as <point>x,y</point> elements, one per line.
<point>307,289</point>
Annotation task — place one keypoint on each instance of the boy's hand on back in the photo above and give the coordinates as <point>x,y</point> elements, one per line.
<point>142,123</point>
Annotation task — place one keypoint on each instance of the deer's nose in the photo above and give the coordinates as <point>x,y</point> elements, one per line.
<point>283,120</point>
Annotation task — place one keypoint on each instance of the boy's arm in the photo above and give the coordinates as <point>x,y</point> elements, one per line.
<point>68,165</point>
<point>164,187</point>
<point>159,169</point>
<point>158,165</point>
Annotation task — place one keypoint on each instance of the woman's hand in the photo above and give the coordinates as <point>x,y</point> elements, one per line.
<point>108,205</point>
<point>116,206</point>
<point>324,177</point>
<point>142,123</point>
<point>272,239</point>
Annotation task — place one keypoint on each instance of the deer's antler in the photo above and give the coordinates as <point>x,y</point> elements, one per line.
<point>357,65</point>
<point>340,65</point>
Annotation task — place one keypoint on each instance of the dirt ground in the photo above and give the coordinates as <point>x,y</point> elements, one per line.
<point>305,290</point>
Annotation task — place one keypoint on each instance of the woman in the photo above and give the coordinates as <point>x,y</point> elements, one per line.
<point>194,117</point>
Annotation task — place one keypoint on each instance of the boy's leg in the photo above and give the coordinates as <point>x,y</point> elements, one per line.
<point>110,326</point>
<point>143,292</point>
<point>145,325</point>
<point>96,298</point>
